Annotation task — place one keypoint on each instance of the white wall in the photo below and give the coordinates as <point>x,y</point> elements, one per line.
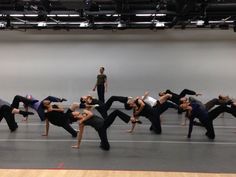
<point>66,64</point>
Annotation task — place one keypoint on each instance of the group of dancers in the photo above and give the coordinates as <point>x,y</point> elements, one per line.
<point>82,112</point>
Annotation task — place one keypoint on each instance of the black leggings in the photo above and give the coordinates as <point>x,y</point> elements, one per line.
<point>213,114</point>
<point>155,120</point>
<point>103,108</point>
<point>69,129</point>
<point>161,108</point>
<point>17,99</point>
<point>186,92</point>
<point>101,92</point>
<point>102,132</point>
<point>6,112</point>
<point>113,99</point>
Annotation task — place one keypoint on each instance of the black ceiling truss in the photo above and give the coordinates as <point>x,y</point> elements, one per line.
<point>117,14</point>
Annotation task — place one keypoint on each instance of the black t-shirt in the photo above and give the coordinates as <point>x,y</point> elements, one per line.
<point>95,122</point>
<point>56,118</point>
<point>147,110</point>
<point>101,79</point>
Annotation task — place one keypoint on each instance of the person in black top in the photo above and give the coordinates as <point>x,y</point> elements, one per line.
<point>35,104</point>
<point>143,108</point>
<point>8,111</point>
<point>99,124</point>
<point>56,116</point>
<point>101,85</point>
<point>196,109</point>
<point>176,97</point>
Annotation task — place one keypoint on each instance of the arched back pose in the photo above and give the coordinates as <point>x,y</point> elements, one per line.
<point>176,97</point>
<point>196,109</point>
<point>149,107</point>
<point>87,118</point>
<point>56,116</point>
<point>36,104</point>
<point>8,110</point>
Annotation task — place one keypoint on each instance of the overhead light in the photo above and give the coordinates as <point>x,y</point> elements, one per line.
<point>112,15</point>
<point>150,15</point>
<point>200,23</point>
<point>42,24</point>
<point>84,25</point>
<point>121,24</point>
<point>160,24</point>
<point>16,15</point>
<point>51,15</point>
<point>2,25</point>
<point>63,15</point>
<point>31,15</point>
<point>74,15</point>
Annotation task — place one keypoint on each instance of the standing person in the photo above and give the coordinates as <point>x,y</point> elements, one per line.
<point>101,85</point>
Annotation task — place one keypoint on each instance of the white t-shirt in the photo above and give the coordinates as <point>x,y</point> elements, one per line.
<point>150,100</point>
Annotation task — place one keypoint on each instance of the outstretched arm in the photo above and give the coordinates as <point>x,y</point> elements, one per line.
<point>190,129</point>
<point>164,98</point>
<point>133,121</point>
<point>80,136</point>
<point>47,128</point>
<point>145,95</point>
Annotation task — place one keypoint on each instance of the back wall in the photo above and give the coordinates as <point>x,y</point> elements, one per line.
<point>66,64</point>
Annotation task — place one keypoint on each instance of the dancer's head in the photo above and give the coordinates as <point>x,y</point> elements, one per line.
<point>130,104</point>
<point>101,70</point>
<point>162,93</point>
<point>46,104</point>
<point>185,105</point>
<point>183,100</point>
<point>83,99</point>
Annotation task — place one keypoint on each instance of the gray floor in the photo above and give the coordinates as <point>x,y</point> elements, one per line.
<point>142,150</point>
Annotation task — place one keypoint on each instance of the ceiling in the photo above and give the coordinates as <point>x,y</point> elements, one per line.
<point>117,14</point>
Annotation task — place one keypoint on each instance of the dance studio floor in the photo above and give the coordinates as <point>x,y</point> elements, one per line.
<point>142,150</point>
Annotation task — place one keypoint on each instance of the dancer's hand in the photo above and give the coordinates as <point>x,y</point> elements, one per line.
<point>198,94</point>
<point>130,131</point>
<point>25,119</point>
<point>75,146</point>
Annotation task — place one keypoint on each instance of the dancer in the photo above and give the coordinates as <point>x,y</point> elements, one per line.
<point>8,111</point>
<point>151,108</point>
<point>56,116</point>
<point>176,97</point>
<point>101,85</point>
<point>196,109</point>
<point>37,105</point>
<point>87,118</point>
